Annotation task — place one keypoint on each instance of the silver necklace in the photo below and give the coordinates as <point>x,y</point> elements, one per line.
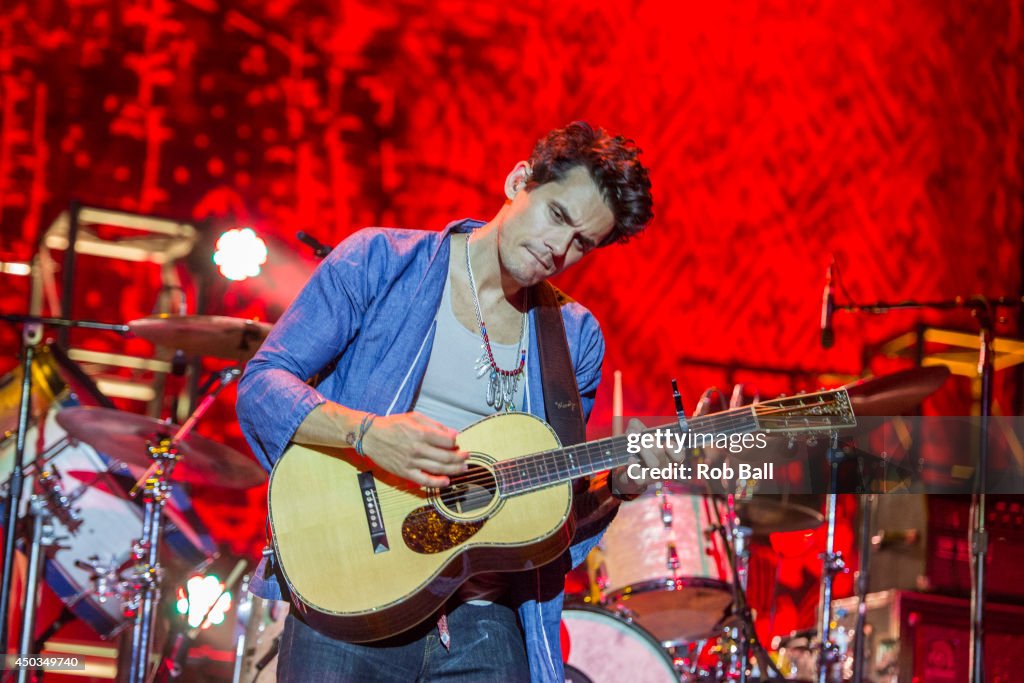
<point>501,384</point>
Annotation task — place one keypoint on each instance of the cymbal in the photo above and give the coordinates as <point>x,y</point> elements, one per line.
<point>124,435</point>
<point>219,336</point>
<point>768,514</point>
<point>896,393</point>
<point>47,384</point>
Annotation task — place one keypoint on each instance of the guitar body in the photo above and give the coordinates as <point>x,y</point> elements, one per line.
<point>368,555</point>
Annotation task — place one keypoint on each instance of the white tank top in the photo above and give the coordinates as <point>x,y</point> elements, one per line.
<point>452,392</point>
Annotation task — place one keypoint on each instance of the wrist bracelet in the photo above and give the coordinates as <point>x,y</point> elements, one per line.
<point>364,427</point>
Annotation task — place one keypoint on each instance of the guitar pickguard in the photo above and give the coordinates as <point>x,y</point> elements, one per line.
<point>427,531</point>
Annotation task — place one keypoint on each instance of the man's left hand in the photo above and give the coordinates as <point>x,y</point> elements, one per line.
<point>647,458</point>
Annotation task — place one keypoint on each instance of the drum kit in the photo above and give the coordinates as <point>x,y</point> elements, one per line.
<point>666,588</point>
<point>79,472</point>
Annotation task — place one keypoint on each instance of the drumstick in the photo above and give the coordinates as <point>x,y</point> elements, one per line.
<point>617,427</point>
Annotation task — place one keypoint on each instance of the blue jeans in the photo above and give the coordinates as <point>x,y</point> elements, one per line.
<point>486,647</point>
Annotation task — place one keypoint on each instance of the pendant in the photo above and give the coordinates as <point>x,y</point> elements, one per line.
<point>492,388</point>
<point>483,364</point>
<point>511,382</point>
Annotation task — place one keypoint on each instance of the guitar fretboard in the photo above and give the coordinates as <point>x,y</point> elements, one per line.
<point>538,470</point>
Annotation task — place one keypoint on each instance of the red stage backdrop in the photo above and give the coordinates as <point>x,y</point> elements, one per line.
<point>886,133</point>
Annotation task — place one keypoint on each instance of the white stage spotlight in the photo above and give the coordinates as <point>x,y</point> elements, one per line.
<point>240,253</point>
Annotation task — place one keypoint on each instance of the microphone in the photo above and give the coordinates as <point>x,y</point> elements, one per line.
<point>319,248</point>
<point>828,305</point>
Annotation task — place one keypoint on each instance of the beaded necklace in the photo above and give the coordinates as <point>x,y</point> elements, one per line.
<point>501,384</point>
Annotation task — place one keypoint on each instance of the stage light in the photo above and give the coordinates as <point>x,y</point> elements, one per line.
<point>197,596</point>
<point>15,268</point>
<point>240,253</point>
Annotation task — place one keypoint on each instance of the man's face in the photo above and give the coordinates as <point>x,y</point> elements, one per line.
<point>552,226</point>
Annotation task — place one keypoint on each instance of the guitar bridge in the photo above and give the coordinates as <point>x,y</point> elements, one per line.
<point>371,508</point>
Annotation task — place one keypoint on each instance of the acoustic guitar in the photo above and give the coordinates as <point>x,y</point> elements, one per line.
<point>368,555</point>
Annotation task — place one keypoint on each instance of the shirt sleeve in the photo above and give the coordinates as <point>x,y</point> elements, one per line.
<point>273,394</point>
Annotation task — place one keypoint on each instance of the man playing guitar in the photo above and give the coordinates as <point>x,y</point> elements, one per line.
<point>428,332</point>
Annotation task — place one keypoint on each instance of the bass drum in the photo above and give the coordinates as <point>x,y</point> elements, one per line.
<point>666,566</point>
<point>599,646</point>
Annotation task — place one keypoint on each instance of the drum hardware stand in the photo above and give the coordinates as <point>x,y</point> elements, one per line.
<point>862,588</point>
<point>243,613</point>
<point>31,336</point>
<point>43,507</point>
<point>739,563</point>
<point>983,309</point>
<point>145,576</point>
<point>832,564</point>
<point>741,547</point>
<point>106,580</point>
<point>43,536</point>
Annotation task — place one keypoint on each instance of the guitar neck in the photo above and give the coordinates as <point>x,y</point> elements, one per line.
<point>539,470</point>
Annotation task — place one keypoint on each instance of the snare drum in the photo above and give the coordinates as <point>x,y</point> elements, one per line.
<point>108,524</point>
<point>601,647</point>
<point>666,566</point>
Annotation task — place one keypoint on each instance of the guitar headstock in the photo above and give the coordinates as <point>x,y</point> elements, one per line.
<point>818,412</point>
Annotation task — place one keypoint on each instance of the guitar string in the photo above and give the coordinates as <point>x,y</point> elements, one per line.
<point>534,471</point>
<point>516,474</point>
<point>598,457</point>
<point>521,465</point>
<point>559,456</point>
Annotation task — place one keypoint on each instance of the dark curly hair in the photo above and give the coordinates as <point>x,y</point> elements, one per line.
<point>613,165</point>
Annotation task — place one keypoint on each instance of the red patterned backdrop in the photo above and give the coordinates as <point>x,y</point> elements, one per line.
<point>886,133</point>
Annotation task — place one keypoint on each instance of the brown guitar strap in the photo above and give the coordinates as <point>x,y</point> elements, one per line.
<point>561,395</point>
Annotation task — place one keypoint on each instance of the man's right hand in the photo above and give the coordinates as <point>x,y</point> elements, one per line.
<point>416,448</point>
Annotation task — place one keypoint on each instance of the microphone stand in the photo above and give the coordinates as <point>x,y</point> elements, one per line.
<point>860,638</point>
<point>983,310</point>
<point>832,564</point>
<point>32,335</point>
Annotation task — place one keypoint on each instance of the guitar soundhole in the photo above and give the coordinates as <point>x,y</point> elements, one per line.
<point>471,492</point>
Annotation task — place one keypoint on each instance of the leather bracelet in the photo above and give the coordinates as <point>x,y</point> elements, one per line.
<point>364,427</point>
